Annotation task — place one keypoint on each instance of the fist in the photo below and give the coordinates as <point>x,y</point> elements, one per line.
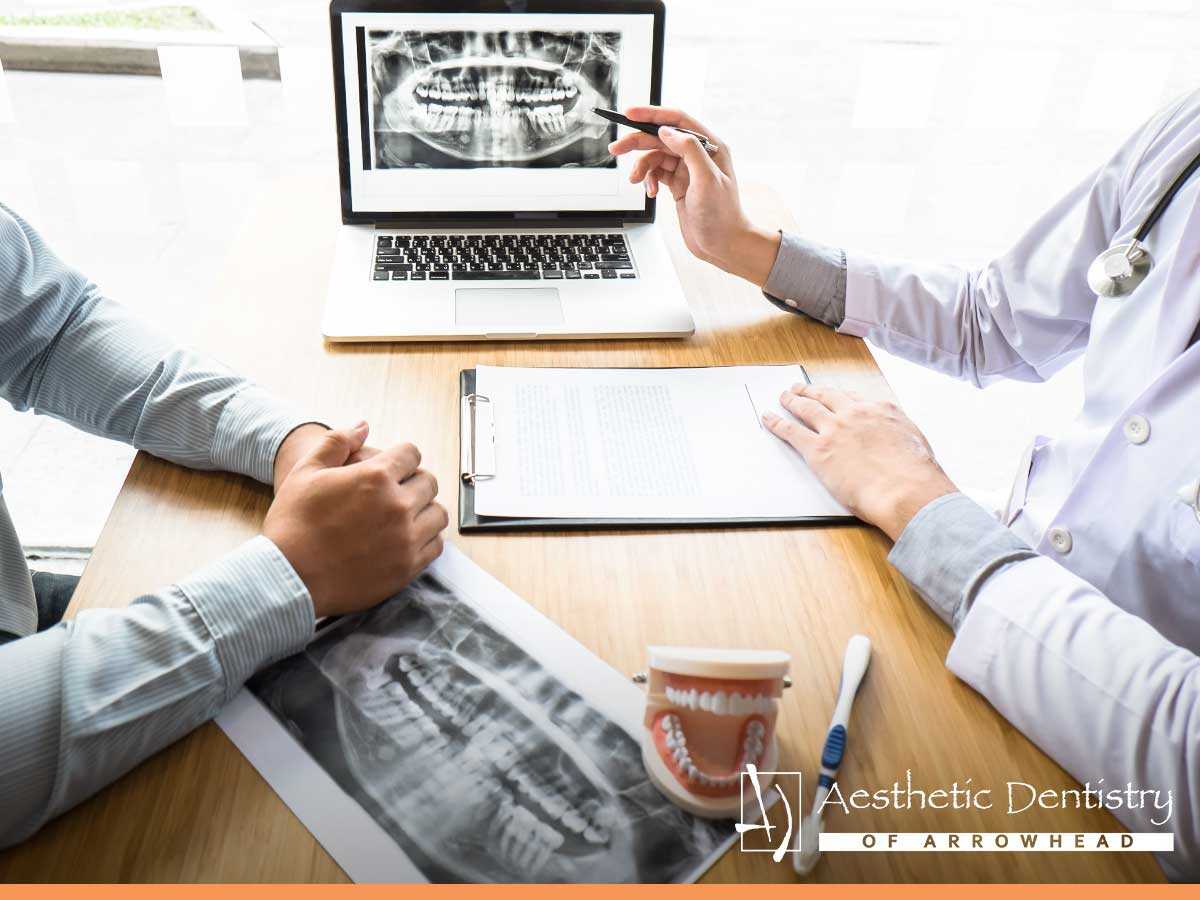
<point>356,528</point>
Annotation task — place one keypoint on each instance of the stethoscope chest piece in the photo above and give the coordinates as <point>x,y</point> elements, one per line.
<point>1119,270</point>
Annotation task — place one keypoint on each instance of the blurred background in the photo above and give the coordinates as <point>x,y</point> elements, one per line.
<point>921,128</point>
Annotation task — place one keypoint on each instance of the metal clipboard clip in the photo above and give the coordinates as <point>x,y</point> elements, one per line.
<point>477,447</point>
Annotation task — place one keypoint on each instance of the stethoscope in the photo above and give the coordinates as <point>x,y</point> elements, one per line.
<point>1121,268</point>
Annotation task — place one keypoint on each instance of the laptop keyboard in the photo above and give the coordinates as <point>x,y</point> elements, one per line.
<point>501,257</point>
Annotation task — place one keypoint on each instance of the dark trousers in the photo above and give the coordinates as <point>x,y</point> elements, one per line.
<point>53,592</point>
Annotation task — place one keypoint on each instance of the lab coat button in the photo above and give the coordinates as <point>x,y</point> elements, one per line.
<point>1060,539</point>
<point>1137,429</point>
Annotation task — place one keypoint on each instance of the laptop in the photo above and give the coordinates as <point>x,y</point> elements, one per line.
<point>479,200</point>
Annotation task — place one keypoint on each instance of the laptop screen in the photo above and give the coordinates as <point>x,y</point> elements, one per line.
<point>485,112</point>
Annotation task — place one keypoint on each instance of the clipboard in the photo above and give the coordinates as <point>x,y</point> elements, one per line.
<point>476,442</point>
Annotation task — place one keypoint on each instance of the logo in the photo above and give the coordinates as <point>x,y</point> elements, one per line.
<point>771,817</point>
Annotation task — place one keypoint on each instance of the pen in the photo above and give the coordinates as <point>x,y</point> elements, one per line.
<point>650,128</point>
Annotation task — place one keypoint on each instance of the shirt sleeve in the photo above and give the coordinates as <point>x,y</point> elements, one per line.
<point>87,700</point>
<point>1025,314</point>
<point>808,278</point>
<point>69,352</point>
<point>951,545</point>
<point>1097,688</point>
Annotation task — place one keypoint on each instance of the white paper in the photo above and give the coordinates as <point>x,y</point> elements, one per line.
<point>644,443</point>
<point>548,675</point>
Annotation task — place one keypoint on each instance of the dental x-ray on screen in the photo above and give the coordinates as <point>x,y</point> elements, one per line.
<point>455,99</point>
<point>480,762</point>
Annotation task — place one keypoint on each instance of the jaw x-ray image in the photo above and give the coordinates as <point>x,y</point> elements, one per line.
<point>473,99</point>
<point>481,764</point>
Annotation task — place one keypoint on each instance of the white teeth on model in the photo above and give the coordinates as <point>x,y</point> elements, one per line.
<point>720,703</point>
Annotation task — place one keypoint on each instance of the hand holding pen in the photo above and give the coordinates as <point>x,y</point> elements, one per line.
<point>652,128</point>
<point>704,187</point>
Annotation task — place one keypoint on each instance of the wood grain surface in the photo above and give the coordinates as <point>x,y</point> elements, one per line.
<point>197,811</point>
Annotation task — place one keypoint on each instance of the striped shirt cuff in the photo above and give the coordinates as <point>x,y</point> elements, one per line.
<point>808,278</point>
<point>252,426</point>
<point>951,545</point>
<point>255,607</point>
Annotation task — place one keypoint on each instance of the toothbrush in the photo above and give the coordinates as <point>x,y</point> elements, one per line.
<point>854,666</point>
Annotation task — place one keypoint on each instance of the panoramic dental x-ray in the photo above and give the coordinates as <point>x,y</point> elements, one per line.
<point>471,99</point>
<point>478,761</point>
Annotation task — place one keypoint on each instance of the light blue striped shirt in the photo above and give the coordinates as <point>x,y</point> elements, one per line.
<point>84,702</point>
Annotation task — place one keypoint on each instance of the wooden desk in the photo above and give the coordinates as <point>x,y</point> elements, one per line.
<point>198,811</point>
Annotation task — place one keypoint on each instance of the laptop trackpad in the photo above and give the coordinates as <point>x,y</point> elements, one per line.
<point>507,309</point>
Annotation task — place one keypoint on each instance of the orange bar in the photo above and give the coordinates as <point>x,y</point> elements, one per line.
<point>592,892</point>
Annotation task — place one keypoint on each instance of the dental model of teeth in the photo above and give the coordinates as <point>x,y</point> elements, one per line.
<point>711,713</point>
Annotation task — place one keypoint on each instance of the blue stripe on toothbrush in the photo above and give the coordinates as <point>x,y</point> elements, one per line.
<point>831,756</point>
<point>835,746</point>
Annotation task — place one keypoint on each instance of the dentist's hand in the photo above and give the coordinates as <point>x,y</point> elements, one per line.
<point>705,189</point>
<point>356,527</point>
<point>870,456</point>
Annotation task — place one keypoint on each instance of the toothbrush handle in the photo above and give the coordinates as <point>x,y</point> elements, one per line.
<point>854,667</point>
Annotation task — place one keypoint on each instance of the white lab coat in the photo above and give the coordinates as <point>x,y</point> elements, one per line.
<point>1091,648</point>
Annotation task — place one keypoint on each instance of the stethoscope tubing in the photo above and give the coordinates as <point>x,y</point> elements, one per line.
<point>1165,200</point>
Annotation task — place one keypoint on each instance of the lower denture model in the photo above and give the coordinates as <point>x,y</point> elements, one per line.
<point>709,714</point>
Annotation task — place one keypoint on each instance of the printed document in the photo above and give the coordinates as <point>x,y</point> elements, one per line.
<point>684,443</point>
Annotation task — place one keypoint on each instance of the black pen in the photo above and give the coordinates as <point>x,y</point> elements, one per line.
<point>650,128</point>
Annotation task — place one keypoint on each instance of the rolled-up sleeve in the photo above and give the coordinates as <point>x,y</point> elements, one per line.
<point>808,278</point>
<point>949,548</point>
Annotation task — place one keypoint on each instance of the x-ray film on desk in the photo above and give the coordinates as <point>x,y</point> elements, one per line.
<point>455,734</point>
<point>655,445</point>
